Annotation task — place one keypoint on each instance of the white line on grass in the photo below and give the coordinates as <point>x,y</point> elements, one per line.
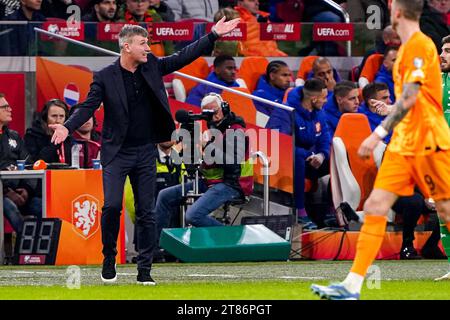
<point>305,278</point>
<point>213,275</point>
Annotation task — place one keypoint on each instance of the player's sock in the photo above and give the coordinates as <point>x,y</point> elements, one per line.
<point>445,237</point>
<point>369,242</point>
<point>353,282</point>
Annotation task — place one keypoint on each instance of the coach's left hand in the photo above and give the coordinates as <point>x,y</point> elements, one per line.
<point>369,144</point>
<point>60,133</point>
<point>222,27</point>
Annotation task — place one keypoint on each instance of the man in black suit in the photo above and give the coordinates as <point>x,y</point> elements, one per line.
<point>137,116</point>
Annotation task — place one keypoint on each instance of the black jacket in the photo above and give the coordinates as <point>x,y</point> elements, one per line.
<point>434,24</point>
<point>231,171</point>
<point>12,149</point>
<point>40,147</point>
<point>108,87</point>
<point>164,12</point>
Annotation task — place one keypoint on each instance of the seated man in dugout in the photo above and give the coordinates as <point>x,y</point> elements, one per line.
<point>19,196</point>
<point>224,73</point>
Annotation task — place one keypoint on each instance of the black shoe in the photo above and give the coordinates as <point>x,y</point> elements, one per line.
<point>144,278</point>
<point>409,253</point>
<point>109,274</point>
<point>433,253</point>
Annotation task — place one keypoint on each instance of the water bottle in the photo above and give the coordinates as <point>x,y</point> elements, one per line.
<point>76,155</point>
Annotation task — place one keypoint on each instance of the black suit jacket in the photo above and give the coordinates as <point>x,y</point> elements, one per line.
<point>108,87</point>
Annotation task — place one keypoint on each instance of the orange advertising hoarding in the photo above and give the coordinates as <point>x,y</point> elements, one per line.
<point>76,197</point>
<point>68,83</point>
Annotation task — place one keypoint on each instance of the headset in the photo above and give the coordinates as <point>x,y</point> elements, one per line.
<point>223,104</point>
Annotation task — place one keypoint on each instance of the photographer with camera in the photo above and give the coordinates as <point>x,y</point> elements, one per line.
<point>222,181</point>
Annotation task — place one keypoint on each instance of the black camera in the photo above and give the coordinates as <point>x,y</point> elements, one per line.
<point>184,116</point>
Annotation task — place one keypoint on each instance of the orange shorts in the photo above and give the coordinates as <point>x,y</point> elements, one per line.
<point>431,173</point>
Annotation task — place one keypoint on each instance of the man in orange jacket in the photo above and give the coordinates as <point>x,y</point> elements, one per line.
<point>250,14</point>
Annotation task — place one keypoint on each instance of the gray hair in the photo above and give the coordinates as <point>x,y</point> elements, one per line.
<point>128,31</point>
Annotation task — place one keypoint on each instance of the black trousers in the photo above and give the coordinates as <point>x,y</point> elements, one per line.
<point>139,163</point>
<point>410,208</point>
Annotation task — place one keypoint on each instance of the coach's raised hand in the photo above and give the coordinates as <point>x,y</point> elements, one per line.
<point>60,133</point>
<point>222,27</point>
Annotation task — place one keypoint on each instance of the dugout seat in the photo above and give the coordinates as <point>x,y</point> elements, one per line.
<point>370,69</point>
<point>352,178</point>
<point>304,69</point>
<point>241,106</point>
<point>181,85</point>
<point>251,69</point>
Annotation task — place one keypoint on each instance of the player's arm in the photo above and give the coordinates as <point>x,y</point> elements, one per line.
<point>400,108</point>
<point>399,111</point>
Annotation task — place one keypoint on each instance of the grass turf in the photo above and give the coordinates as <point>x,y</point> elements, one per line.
<point>248,281</point>
<point>266,290</point>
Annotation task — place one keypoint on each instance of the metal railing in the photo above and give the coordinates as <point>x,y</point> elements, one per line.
<point>113,53</point>
<point>346,17</point>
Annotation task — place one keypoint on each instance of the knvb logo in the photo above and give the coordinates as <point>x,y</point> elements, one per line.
<point>85,215</point>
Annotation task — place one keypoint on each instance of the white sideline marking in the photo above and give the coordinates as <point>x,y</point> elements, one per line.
<point>213,275</point>
<point>305,278</point>
<point>126,274</point>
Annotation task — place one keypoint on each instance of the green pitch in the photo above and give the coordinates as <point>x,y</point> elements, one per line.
<point>248,281</point>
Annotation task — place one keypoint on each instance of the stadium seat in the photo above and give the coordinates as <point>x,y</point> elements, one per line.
<point>7,228</point>
<point>370,69</point>
<point>304,69</point>
<point>251,69</point>
<point>354,74</point>
<point>352,178</point>
<point>182,86</point>
<point>290,10</point>
<point>241,106</point>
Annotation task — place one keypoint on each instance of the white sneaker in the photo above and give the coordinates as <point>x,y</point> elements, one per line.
<point>444,277</point>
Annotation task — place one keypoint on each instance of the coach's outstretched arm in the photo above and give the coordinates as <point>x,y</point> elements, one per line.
<point>396,114</point>
<point>200,47</point>
<point>83,112</point>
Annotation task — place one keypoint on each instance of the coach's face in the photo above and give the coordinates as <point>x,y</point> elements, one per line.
<point>445,58</point>
<point>138,48</point>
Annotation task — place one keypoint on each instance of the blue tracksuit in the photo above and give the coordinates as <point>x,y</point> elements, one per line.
<point>311,137</point>
<point>199,91</point>
<point>385,76</point>
<point>374,120</point>
<point>266,91</point>
<point>332,114</point>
